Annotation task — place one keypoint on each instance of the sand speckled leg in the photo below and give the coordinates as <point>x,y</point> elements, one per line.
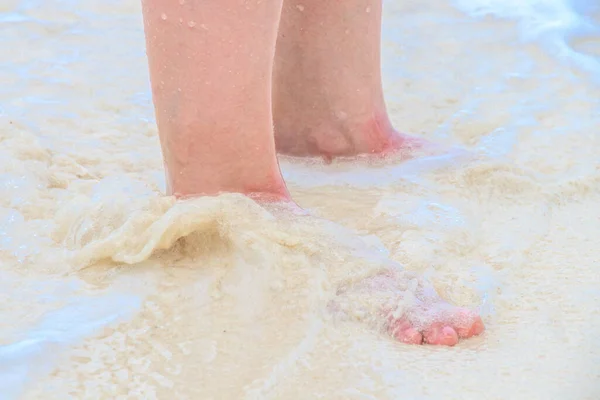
<point>210,68</point>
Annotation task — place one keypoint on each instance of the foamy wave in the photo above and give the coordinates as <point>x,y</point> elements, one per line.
<point>551,22</point>
<point>535,16</point>
<point>129,231</point>
<point>38,352</point>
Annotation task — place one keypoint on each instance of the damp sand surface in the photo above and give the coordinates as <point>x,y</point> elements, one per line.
<point>110,290</point>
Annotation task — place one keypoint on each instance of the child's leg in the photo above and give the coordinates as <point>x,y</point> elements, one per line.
<point>210,67</point>
<point>328,101</point>
<point>327,96</point>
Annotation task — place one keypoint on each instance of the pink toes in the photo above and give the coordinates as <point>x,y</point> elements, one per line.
<point>437,334</point>
<point>467,325</point>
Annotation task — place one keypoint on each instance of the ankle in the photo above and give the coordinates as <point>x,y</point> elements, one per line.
<point>199,163</point>
<point>268,186</point>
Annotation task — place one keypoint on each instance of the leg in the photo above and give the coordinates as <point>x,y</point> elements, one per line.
<point>327,97</point>
<point>210,67</point>
<point>211,88</point>
<point>328,101</point>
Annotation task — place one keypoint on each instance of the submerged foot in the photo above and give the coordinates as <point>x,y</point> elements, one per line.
<point>408,310</point>
<point>345,138</point>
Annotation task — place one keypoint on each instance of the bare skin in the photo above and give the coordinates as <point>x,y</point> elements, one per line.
<point>327,92</point>
<point>221,120</point>
<point>210,66</point>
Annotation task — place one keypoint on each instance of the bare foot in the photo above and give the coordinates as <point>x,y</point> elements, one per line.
<point>408,309</point>
<point>327,90</point>
<point>337,137</point>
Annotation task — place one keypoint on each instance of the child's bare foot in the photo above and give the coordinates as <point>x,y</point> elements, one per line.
<point>332,137</point>
<point>408,310</point>
<point>327,93</point>
<point>213,99</point>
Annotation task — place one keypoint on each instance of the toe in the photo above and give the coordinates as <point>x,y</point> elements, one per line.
<point>409,336</point>
<point>404,332</point>
<point>442,335</point>
<point>468,324</point>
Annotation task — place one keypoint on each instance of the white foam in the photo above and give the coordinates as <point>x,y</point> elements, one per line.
<point>551,22</point>
<point>44,345</point>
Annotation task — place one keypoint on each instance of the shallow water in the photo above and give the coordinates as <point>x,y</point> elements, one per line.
<point>101,298</point>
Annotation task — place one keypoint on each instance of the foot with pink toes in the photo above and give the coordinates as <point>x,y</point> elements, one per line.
<point>459,324</point>
<point>408,309</point>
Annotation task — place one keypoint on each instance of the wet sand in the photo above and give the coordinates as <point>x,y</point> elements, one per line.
<point>108,289</point>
